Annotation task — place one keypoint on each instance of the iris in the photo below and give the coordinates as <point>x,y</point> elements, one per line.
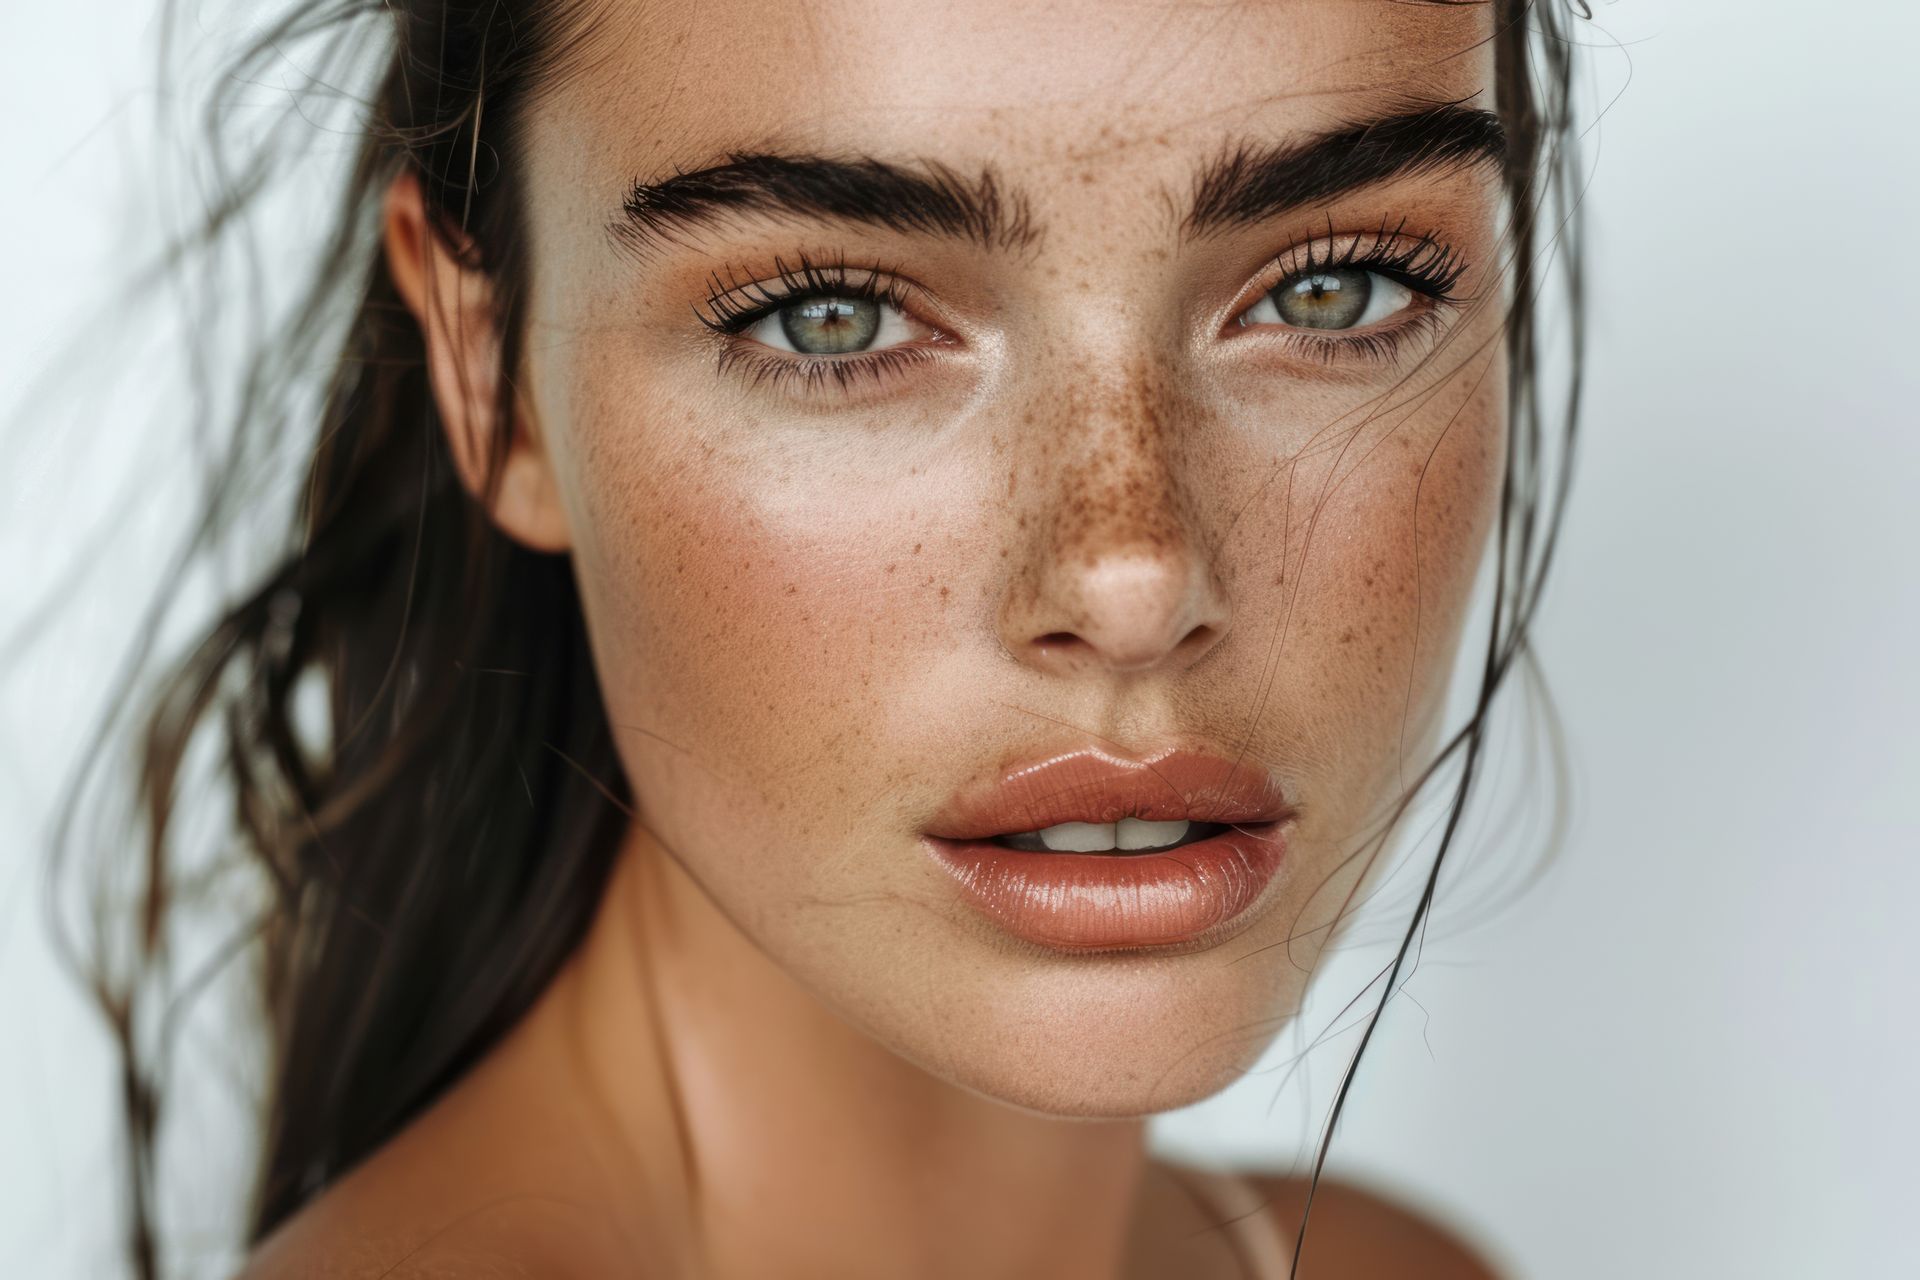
<point>830,326</point>
<point>1333,299</point>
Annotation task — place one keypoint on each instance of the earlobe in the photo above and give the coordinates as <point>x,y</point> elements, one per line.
<point>453,304</point>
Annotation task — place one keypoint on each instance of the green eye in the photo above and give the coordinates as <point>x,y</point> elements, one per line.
<point>1327,300</point>
<point>1336,298</point>
<point>827,326</point>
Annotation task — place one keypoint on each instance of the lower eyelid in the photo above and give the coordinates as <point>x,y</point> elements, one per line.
<point>810,372</point>
<point>1380,342</point>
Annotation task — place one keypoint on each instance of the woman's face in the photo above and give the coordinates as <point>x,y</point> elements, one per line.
<point>1000,382</point>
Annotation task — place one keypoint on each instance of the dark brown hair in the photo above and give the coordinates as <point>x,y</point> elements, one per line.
<point>407,720</point>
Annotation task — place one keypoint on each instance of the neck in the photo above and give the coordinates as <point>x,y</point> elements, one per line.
<point>770,1136</point>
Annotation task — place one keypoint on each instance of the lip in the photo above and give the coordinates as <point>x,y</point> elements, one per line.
<point>1104,901</point>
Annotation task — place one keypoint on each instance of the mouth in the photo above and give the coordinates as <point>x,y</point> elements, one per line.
<point>1127,837</point>
<point>1086,851</point>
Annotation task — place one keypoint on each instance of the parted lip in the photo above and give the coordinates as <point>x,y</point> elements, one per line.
<point>1093,784</point>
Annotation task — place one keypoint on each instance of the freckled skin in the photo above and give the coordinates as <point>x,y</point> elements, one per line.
<point>1101,509</point>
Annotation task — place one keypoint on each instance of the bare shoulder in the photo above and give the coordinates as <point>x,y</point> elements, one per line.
<point>347,1234</point>
<point>1362,1235</point>
<point>485,1183</point>
<point>446,1197</point>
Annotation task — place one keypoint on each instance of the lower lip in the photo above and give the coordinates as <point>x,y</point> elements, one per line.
<point>1100,901</point>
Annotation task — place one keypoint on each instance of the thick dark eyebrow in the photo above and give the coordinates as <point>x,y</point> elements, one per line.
<point>928,199</point>
<point>1249,183</point>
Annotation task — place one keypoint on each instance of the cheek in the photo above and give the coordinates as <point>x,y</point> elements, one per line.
<point>757,619</point>
<point>1371,538</point>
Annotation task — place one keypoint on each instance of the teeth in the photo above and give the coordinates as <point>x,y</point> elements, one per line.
<point>1135,833</point>
<point>1078,837</point>
<point>1127,835</point>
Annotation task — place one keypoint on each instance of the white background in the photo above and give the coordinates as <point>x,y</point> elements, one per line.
<point>1690,1052</point>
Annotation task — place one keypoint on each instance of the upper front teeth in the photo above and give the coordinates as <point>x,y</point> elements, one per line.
<point>1104,837</point>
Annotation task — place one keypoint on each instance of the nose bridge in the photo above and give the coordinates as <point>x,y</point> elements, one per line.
<point>1117,491</point>
<point>1116,570</point>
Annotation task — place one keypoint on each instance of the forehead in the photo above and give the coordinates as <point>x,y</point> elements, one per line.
<point>1056,91</point>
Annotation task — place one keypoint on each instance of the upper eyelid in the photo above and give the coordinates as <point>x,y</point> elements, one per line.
<point>1417,261</point>
<point>890,287</point>
<point>732,302</point>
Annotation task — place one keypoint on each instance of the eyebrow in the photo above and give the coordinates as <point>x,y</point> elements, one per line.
<point>927,198</point>
<point>1244,184</point>
<point>1248,184</point>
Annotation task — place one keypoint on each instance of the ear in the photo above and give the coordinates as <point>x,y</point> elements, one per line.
<point>453,304</point>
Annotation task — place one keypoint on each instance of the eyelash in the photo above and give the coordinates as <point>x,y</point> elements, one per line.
<point>1425,265</point>
<point>814,373</point>
<point>735,308</point>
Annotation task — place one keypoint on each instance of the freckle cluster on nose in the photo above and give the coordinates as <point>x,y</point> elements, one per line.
<point>1119,491</point>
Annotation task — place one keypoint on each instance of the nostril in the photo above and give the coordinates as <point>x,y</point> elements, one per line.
<point>1121,614</point>
<point>1198,638</point>
<point>1196,641</point>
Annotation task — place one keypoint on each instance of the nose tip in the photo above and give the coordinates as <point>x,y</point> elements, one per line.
<point>1135,612</point>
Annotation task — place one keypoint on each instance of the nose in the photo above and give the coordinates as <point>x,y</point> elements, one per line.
<point>1115,573</point>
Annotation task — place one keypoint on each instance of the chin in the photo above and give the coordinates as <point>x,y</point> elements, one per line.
<point>1112,1036</point>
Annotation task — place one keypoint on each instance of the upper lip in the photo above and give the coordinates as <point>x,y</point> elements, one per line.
<point>1092,784</point>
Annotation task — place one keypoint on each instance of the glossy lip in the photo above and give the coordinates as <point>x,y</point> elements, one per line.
<point>1106,901</point>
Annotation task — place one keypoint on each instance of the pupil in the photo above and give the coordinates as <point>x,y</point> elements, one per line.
<point>831,326</point>
<point>1325,300</point>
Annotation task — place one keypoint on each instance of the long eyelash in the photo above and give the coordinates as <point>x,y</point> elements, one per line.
<point>816,373</point>
<point>735,307</point>
<point>1422,263</point>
